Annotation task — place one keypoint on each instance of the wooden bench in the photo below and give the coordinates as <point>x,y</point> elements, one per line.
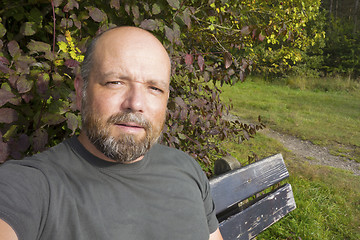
<point>240,218</point>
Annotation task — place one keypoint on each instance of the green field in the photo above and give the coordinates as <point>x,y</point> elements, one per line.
<point>326,118</point>
<point>328,199</point>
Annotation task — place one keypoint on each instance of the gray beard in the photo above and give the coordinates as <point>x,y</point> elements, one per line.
<point>122,149</point>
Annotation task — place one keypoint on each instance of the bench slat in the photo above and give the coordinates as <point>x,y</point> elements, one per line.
<point>259,216</point>
<point>240,184</point>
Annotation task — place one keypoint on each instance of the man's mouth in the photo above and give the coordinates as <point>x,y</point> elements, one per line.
<point>130,125</point>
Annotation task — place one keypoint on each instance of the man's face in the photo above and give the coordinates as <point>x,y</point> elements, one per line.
<point>125,101</point>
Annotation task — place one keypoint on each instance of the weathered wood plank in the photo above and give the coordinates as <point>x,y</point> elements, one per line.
<point>240,184</point>
<point>249,222</point>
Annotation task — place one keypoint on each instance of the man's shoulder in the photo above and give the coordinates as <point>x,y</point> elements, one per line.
<point>164,150</point>
<point>55,154</point>
<point>175,156</point>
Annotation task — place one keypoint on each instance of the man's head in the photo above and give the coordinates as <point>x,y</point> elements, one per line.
<point>123,93</point>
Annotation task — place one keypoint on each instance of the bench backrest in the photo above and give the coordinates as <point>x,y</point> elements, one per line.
<point>246,221</point>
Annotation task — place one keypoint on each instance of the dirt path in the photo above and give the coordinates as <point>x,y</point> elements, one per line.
<point>313,153</point>
<point>305,150</point>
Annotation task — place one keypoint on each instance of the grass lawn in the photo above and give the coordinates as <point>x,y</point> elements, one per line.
<point>328,199</point>
<point>325,118</point>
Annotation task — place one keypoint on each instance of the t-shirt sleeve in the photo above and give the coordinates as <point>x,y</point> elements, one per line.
<point>23,199</point>
<point>209,205</point>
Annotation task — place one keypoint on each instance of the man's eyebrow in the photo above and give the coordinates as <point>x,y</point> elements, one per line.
<point>159,82</point>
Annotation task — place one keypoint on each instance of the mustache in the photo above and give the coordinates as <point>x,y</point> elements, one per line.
<point>125,117</point>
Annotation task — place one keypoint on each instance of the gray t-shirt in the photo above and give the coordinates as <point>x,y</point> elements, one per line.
<point>67,193</point>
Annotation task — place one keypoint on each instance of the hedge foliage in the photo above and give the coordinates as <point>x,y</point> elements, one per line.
<point>210,43</point>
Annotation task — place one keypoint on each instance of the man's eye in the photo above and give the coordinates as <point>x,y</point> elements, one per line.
<point>113,83</point>
<point>156,89</point>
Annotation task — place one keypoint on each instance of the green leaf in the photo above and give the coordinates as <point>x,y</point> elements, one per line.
<point>2,30</point>
<point>28,28</point>
<point>182,136</point>
<point>72,121</point>
<point>156,9</point>
<point>35,16</point>
<point>37,46</point>
<point>174,3</point>
<point>10,133</point>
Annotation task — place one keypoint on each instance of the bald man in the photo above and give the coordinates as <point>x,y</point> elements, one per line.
<point>113,181</point>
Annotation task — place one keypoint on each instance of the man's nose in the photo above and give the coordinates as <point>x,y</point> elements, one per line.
<point>134,99</point>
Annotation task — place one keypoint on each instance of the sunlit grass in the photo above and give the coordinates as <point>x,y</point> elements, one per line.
<point>325,118</point>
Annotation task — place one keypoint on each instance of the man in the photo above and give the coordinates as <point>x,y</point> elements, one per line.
<point>112,181</point>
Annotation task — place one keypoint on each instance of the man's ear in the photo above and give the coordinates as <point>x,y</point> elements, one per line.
<point>78,84</point>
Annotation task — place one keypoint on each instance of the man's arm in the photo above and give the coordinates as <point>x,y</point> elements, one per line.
<point>6,232</point>
<point>216,235</point>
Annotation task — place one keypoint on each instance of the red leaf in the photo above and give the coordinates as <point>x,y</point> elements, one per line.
<point>115,4</point>
<point>42,83</point>
<point>8,115</point>
<point>189,59</point>
<point>13,48</point>
<point>27,97</point>
<point>70,5</point>
<point>186,18</point>
<point>149,24</point>
<point>71,63</point>
<point>183,114</point>
<point>4,68</point>
<point>4,151</point>
<point>96,14</point>
<point>261,37</point>
<point>228,60</point>
<point>53,118</point>
<point>57,2</point>
<point>135,11</point>
<point>40,139</point>
<point>174,3</point>
<point>169,33</point>
<point>245,30</point>
<point>5,96</point>
<point>179,101</point>
<point>201,62</point>
<point>23,85</point>
<point>193,117</point>
<point>23,142</point>
<point>3,60</point>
